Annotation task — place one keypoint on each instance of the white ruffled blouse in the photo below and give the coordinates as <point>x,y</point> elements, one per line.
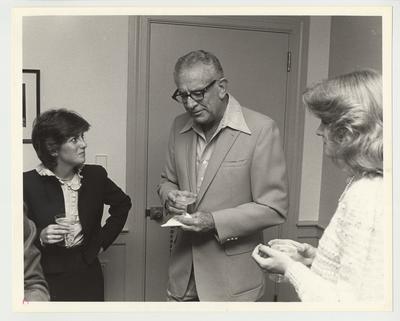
<point>70,191</point>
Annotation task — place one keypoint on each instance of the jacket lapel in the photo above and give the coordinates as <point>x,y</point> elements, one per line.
<point>224,143</point>
<point>83,203</point>
<point>54,194</point>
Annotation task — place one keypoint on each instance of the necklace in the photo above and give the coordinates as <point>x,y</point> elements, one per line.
<point>73,184</point>
<point>66,179</point>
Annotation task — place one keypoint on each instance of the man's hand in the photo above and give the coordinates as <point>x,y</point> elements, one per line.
<point>198,222</point>
<point>172,205</point>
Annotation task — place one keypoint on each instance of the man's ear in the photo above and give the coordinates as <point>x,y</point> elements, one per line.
<point>222,87</point>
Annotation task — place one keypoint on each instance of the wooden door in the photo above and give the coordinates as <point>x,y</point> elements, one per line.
<point>255,64</point>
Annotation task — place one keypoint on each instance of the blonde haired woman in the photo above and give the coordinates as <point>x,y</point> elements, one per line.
<point>348,263</point>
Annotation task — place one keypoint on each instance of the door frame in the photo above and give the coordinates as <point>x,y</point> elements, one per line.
<point>137,121</point>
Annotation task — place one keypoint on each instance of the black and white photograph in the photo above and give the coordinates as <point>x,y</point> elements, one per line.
<point>204,162</point>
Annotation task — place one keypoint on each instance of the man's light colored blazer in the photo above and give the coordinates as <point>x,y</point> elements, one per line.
<point>245,189</point>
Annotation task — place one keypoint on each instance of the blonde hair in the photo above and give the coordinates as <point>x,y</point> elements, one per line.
<point>351,108</point>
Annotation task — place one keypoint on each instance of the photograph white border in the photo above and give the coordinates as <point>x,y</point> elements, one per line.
<point>16,152</point>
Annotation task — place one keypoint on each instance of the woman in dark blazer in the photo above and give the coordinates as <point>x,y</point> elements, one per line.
<point>62,184</point>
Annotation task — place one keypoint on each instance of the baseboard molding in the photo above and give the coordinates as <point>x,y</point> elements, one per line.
<point>309,231</point>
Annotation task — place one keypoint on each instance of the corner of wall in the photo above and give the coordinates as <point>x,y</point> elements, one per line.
<point>318,66</point>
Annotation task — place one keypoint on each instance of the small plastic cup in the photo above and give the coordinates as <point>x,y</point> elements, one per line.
<point>61,219</point>
<point>185,198</point>
<point>289,250</point>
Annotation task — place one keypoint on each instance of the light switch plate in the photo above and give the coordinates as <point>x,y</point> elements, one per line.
<point>101,159</point>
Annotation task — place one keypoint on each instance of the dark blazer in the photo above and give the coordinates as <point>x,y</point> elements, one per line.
<point>44,198</point>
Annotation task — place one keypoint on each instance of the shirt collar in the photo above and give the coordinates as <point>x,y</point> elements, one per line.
<point>44,171</point>
<point>233,118</point>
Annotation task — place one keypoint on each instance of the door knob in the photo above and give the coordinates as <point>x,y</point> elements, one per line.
<point>155,213</point>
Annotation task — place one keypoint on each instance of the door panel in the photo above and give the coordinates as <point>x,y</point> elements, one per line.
<point>255,66</point>
<point>113,266</point>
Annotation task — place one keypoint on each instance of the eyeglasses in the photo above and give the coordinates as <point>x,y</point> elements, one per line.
<point>196,95</point>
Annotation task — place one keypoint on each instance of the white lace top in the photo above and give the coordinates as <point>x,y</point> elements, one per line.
<point>349,263</point>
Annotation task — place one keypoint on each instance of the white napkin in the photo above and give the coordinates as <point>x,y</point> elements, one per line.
<point>174,222</point>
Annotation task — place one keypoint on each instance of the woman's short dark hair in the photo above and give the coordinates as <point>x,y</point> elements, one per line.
<point>351,107</point>
<point>53,128</point>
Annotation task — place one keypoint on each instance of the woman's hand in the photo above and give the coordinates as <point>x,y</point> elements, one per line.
<point>53,233</point>
<point>304,253</point>
<point>271,260</point>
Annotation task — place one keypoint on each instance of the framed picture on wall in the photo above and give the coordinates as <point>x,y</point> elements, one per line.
<point>30,101</point>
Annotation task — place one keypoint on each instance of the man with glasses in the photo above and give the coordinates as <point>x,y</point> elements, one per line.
<point>231,158</point>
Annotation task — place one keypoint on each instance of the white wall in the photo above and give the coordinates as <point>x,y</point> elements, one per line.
<point>83,62</point>
<point>318,66</point>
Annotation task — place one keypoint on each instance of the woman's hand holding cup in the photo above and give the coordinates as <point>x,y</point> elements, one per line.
<point>53,233</point>
<point>279,254</point>
<point>300,252</point>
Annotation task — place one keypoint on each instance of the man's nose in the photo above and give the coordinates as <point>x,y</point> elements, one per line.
<point>191,103</point>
